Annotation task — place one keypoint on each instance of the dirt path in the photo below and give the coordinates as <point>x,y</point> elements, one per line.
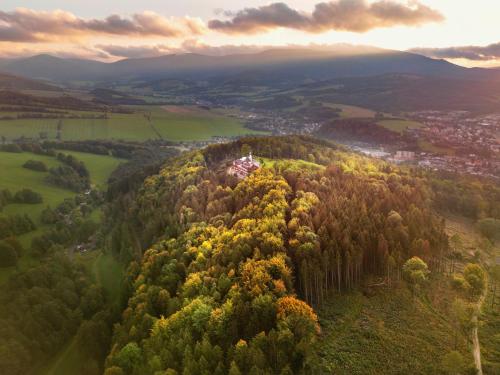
<point>476,349</point>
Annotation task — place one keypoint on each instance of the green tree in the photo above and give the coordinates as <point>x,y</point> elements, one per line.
<point>476,278</point>
<point>453,363</point>
<point>415,273</point>
<point>489,228</point>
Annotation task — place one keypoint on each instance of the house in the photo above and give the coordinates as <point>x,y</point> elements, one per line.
<point>243,167</point>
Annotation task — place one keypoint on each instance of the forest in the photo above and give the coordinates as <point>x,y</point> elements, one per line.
<point>230,276</point>
<point>233,270</point>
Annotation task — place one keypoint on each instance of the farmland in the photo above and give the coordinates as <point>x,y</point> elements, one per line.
<point>145,123</point>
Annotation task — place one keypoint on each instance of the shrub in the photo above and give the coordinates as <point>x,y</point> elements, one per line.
<point>28,196</point>
<point>35,165</point>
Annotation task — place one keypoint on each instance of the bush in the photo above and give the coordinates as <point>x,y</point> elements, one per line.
<point>35,165</point>
<point>8,255</point>
<point>11,147</point>
<point>28,196</point>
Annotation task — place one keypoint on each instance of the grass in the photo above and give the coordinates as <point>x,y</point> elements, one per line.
<point>426,146</point>
<point>289,164</point>
<point>399,126</point>
<point>108,272</point>
<point>387,333</point>
<point>350,111</point>
<point>192,124</point>
<point>15,177</point>
<point>100,167</point>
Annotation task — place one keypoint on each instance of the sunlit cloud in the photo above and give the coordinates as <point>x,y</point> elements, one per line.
<point>476,53</point>
<point>339,15</point>
<point>26,25</point>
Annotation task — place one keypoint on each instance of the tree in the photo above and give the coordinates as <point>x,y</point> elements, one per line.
<point>8,255</point>
<point>415,273</point>
<point>495,279</point>
<point>453,363</point>
<point>476,278</point>
<point>489,228</point>
<point>129,357</point>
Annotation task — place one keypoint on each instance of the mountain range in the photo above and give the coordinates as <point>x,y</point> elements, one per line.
<point>296,64</point>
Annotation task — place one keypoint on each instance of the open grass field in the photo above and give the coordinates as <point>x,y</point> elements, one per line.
<point>386,333</point>
<point>288,164</point>
<point>108,272</point>
<point>426,146</point>
<point>100,167</point>
<point>147,122</point>
<point>399,126</point>
<point>350,111</point>
<point>14,177</point>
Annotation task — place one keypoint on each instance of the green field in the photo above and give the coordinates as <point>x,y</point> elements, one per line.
<point>399,126</point>
<point>108,272</point>
<point>350,111</point>
<point>289,164</point>
<point>176,123</point>
<point>14,177</point>
<point>99,166</point>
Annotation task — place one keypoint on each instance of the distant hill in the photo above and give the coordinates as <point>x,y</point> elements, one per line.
<point>10,82</point>
<point>297,65</point>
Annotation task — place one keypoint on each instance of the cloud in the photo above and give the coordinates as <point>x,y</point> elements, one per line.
<point>26,25</point>
<point>188,46</point>
<point>341,15</point>
<point>476,53</point>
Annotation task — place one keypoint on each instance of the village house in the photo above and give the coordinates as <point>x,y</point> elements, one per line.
<point>243,167</point>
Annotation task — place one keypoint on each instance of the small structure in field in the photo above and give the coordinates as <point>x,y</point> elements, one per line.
<point>243,167</point>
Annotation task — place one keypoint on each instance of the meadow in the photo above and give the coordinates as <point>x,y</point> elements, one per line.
<point>14,177</point>
<point>399,126</point>
<point>186,123</point>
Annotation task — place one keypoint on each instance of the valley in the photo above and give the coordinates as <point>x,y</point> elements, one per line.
<point>363,240</point>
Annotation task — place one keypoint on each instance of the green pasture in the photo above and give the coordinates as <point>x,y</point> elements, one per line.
<point>399,126</point>
<point>147,122</point>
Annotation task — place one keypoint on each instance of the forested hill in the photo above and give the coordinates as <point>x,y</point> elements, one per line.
<point>234,269</point>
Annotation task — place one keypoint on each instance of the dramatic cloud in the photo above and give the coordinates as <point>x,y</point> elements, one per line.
<point>26,25</point>
<point>342,15</point>
<point>476,53</point>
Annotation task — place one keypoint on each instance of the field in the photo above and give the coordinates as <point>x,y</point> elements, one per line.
<point>99,166</point>
<point>350,111</point>
<point>399,126</point>
<point>288,164</point>
<point>147,122</point>
<point>15,177</point>
<point>429,147</point>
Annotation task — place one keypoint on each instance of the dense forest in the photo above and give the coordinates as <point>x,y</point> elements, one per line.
<point>232,269</point>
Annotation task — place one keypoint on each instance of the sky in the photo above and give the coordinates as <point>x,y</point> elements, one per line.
<point>464,32</point>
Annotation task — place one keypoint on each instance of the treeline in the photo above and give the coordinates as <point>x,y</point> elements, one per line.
<point>15,225</point>
<point>73,175</point>
<point>463,195</point>
<point>24,196</point>
<point>218,291</point>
